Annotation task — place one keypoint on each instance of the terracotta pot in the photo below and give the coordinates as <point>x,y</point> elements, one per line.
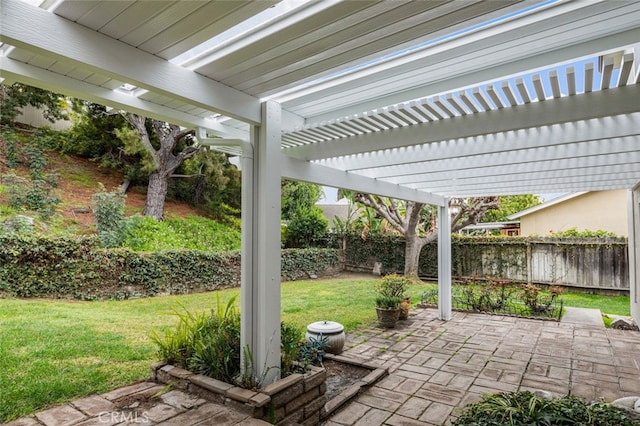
<point>387,317</point>
<point>404,309</point>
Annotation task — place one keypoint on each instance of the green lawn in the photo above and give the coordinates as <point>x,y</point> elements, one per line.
<point>53,351</point>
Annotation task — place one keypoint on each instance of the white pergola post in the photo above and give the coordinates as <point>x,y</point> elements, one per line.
<point>633,206</point>
<point>444,262</point>
<point>260,291</point>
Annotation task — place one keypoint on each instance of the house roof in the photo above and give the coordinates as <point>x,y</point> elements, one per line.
<point>416,99</point>
<point>553,202</point>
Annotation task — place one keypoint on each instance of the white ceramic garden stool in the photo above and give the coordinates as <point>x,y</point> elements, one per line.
<point>333,331</point>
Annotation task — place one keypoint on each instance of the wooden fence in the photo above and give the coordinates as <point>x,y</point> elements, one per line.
<point>588,263</point>
<point>592,264</point>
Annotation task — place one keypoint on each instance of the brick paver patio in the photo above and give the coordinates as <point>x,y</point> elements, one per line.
<point>437,367</point>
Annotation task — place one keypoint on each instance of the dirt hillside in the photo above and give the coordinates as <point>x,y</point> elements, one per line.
<point>81,178</point>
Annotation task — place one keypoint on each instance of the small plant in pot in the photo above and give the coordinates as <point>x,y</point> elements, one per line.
<point>388,310</point>
<point>391,293</point>
<point>405,305</point>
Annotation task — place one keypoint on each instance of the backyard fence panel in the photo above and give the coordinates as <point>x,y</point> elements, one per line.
<point>594,265</point>
<point>600,264</point>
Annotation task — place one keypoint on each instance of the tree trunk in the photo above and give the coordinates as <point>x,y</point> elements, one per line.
<point>156,194</point>
<point>412,251</point>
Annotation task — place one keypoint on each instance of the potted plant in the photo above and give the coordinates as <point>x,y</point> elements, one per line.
<point>390,291</point>
<point>405,305</point>
<point>388,310</point>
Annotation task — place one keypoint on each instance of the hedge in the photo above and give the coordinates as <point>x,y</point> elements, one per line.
<point>78,268</point>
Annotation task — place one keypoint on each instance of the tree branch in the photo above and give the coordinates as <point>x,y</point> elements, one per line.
<point>383,210</point>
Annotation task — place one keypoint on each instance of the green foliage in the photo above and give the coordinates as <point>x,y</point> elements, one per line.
<point>34,193</point>
<point>574,233</point>
<point>534,300</point>
<point>511,204</point>
<point>93,136</point>
<point>204,344</point>
<point>301,263</point>
<point>77,267</point>
<point>191,233</point>
<point>501,297</point>
<point>15,97</point>
<point>393,285</point>
<point>291,337</point>
<point>11,148</point>
<point>388,302</point>
<point>132,146</point>
<point>313,350</point>
<point>391,291</point>
<point>209,344</point>
<point>110,219</point>
<point>306,225</point>
<point>211,182</point>
<point>296,195</point>
<point>525,408</point>
<point>307,228</point>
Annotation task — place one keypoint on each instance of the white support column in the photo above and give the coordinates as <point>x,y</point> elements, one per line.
<point>444,262</point>
<point>633,206</point>
<point>260,296</point>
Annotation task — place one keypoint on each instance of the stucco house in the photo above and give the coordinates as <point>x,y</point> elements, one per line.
<point>593,210</point>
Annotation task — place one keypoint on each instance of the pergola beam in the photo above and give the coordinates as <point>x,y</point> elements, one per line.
<point>44,33</point>
<point>314,173</point>
<point>39,77</point>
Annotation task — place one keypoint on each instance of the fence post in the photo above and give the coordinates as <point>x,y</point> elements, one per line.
<point>529,254</point>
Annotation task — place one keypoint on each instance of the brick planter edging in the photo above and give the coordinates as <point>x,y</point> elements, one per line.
<point>298,398</point>
<point>377,373</point>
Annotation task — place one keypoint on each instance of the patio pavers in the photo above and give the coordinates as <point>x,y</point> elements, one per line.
<point>435,368</point>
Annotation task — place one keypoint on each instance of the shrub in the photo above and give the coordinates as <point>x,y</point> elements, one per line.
<point>33,193</point>
<point>209,344</point>
<point>32,265</point>
<point>392,286</point>
<point>307,228</point>
<point>191,233</point>
<point>525,408</point>
<point>110,219</point>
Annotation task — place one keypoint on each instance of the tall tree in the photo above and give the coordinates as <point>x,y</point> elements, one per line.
<point>417,222</point>
<point>306,224</point>
<point>174,146</point>
<point>511,204</point>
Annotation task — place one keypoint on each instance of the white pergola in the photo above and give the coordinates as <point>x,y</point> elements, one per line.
<point>417,100</point>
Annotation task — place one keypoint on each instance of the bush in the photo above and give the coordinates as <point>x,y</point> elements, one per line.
<point>525,408</point>
<point>307,227</point>
<point>33,265</point>
<point>192,233</point>
<point>34,193</point>
<point>110,219</point>
<point>209,344</point>
<point>392,286</point>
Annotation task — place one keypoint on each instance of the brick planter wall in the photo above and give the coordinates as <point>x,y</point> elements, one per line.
<point>298,398</point>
